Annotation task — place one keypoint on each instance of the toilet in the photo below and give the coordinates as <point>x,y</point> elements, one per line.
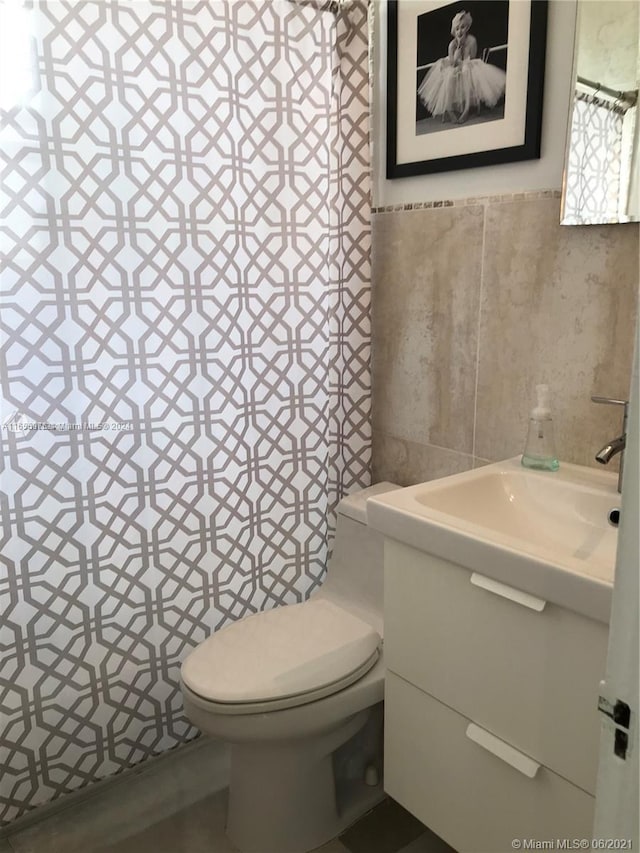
<point>297,691</point>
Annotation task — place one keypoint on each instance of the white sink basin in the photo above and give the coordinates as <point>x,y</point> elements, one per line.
<point>546,533</point>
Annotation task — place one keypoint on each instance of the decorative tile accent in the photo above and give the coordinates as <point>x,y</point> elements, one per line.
<point>186,234</point>
<point>465,202</point>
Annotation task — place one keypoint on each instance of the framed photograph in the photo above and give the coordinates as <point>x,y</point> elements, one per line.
<point>464,83</point>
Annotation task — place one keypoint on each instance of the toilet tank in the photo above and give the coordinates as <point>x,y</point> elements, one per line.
<point>355,574</point>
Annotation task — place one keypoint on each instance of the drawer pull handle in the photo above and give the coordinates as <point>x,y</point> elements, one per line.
<point>509,592</point>
<point>527,766</point>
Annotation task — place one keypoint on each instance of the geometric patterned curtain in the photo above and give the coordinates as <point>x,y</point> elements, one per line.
<point>184,376</point>
<point>594,180</point>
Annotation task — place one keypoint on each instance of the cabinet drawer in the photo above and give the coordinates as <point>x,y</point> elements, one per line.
<point>530,676</point>
<point>474,800</point>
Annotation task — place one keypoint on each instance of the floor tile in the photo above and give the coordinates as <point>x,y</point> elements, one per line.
<point>199,828</point>
<point>128,806</point>
<point>334,846</point>
<point>428,842</point>
<point>171,810</point>
<point>386,829</point>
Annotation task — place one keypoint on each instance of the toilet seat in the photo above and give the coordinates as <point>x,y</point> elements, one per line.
<point>281,658</point>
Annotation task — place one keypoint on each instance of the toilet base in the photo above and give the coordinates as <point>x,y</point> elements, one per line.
<point>294,797</point>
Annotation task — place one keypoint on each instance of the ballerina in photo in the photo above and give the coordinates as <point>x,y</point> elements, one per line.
<point>459,82</point>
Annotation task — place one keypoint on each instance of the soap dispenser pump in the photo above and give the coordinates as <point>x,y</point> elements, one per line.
<point>540,449</point>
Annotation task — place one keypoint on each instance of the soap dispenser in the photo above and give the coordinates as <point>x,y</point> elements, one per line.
<point>540,449</point>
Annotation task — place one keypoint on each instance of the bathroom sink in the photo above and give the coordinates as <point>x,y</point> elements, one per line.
<point>548,533</point>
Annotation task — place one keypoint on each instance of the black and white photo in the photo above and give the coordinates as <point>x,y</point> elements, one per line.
<point>464,83</point>
<point>462,55</point>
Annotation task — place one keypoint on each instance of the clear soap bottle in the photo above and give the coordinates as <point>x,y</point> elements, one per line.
<point>540,449</point>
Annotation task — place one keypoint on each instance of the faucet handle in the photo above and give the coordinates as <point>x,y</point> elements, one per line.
<point>609,400</point>
<point>613,402</point>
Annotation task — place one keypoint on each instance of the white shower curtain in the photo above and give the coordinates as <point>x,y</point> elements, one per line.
<point>598,172</point>
<point>185,352</point>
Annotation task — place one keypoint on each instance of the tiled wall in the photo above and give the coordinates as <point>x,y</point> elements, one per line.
<point>474,303</point>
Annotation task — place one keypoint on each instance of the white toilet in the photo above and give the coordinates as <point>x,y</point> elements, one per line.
<point>297,691</point>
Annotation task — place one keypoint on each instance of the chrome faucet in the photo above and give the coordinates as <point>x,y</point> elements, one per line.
<point>617,445</point>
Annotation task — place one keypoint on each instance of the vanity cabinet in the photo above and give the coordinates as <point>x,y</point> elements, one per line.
<point>491,721</point>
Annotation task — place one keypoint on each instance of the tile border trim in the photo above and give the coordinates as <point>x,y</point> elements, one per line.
<point>466,202</point>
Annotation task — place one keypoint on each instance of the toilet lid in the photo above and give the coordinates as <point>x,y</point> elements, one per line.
<point>282,657</point>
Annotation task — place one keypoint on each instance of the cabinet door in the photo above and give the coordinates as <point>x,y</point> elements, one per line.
<point>530,676</point>
<point>450,777</point>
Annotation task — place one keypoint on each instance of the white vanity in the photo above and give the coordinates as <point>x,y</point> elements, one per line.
<point>497,594</point>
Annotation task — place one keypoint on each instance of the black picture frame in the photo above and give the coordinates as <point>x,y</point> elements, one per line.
<point>526,149</point>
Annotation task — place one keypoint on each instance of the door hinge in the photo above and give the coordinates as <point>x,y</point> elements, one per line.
<point>620,713</point>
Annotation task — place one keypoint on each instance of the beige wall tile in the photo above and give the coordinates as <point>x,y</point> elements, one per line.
<point>406,462</point>
<point>558,306</point>
<point>426,282</point>
<point>478,462</point>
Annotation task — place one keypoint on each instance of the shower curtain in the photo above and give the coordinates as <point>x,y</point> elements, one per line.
<point>185,352</point>
<point>598,174</point>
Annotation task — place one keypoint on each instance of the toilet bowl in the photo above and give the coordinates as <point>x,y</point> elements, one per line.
<point>297,691</point>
